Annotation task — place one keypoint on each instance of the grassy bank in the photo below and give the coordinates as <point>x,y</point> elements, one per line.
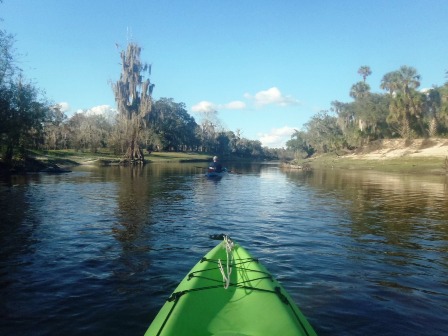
<point>72,157</point>
<point>408,163</point>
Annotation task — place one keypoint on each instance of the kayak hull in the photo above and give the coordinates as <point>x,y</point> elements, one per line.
<point>253,304</point>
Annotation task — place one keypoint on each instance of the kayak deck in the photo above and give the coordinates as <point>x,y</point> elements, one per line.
<point>253,304</point>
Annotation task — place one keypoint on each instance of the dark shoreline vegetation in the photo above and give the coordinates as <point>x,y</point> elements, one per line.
<point>61,161</point>
<point>142,128</point>
<point>54,161</point>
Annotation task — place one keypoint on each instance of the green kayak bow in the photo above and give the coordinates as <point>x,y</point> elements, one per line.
<point>228,292</point>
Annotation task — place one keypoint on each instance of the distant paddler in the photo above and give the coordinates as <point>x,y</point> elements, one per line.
<point>215,166</point>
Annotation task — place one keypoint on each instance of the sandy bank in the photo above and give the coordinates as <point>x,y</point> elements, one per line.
<point>422,156</point>
<point>397,148</point>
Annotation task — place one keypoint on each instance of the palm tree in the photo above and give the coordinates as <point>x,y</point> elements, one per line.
<point>364,71</point>
<point>391,82</point>
<point>404,79</point>
<point>410,81</point>
<point>402,84</point>
<point>360,90</point>
<point>409,78</point>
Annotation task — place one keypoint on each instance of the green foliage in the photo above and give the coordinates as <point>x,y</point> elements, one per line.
<point>21,117</point>
<point>7,66</point>
<point>435,103</point>
<point>323,133</point>
<point>54,130</point>
<point>360,90</point>
<point>174,127</point>
<point>23,111</point>
<point>299,145</point>
<point>364,71</point>
<point>27,121</point>
<point>371,113</point>
<point>402,112</point>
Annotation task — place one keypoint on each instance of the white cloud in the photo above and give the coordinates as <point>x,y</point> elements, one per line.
<point>203,107</point>
<point>271,96</point>
<point>64,106</point>
<point>105,110</point>
<point>208,107</point>
<point>101,110</point>
<point>235,105</point>
<point>277,137</point>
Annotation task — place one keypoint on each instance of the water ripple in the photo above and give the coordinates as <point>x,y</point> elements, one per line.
<point>96,252</point>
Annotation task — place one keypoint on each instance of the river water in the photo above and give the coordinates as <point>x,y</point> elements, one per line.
<point>98,250</point>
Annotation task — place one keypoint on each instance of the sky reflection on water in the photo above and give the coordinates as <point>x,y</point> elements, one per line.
<point>99,250</point>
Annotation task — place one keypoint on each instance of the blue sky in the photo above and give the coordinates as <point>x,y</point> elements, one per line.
<point>266,66</point>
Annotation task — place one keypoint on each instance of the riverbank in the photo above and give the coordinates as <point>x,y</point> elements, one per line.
<point>68,158</point>
<point>393,155</point>
<point>60,161</point>
<point>105,159</point>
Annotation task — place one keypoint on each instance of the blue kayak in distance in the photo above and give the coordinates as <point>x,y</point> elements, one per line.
<point>214,174</point>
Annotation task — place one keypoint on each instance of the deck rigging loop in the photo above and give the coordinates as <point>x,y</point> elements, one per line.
<point>228,245</point>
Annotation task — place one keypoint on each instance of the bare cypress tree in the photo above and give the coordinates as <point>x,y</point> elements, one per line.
<point>134,101</point>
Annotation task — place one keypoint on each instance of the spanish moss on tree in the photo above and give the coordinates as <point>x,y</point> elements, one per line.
<point>134,101</point>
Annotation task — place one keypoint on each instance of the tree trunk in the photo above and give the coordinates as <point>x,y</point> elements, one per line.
<point>7,158</point>
<point>134,153</point>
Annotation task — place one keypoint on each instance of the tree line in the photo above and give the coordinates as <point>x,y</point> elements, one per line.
<point>168,127</point>
<point>142,124</point>
<point>29,121</point>
<point>401,111</point>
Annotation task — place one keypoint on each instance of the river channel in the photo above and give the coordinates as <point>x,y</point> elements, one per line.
<point>98,250</point>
